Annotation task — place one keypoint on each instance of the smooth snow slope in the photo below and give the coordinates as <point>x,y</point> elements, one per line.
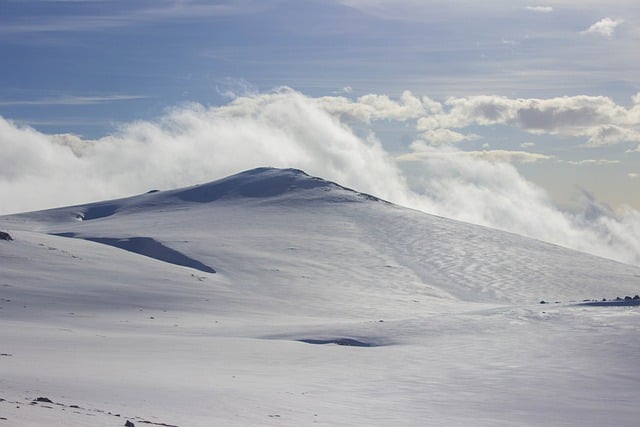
<point>113,307</point>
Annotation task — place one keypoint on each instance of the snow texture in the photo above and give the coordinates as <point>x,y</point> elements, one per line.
<point>327,306</point>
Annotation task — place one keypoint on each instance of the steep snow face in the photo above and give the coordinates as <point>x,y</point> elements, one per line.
<point>272,297</point>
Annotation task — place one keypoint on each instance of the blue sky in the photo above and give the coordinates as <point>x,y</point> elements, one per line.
<point>542,92</point>
<point>147,55</point>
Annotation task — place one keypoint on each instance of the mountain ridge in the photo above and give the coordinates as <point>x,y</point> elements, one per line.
<point>263,183</point>
<point>199,227</point>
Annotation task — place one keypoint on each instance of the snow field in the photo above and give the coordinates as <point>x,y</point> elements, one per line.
<point>450,311</point>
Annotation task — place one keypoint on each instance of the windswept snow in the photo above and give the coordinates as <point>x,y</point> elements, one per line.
<point>424,320</point>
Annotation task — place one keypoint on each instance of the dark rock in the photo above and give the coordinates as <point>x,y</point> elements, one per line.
<point>129,424</point>
<point>618,299</point>
<point>637,297</point>
<point>5,236</point>
<point>43,399</point>
<point>543,302</point>
<point>340,341</point>
<point>628,298</point>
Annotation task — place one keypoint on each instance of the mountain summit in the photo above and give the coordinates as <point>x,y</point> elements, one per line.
<point>257,183</point>
<point>265,183</point>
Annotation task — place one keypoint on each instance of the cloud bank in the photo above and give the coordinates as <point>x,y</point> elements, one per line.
<point>597,119</point>
<point>192,144</point>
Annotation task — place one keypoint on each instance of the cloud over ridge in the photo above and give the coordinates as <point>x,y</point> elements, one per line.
<point>193,143</point>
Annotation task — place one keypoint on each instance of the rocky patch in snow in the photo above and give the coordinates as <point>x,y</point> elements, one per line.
<point>618,301</point>
<point>350,342</point>
<point>70,412</point>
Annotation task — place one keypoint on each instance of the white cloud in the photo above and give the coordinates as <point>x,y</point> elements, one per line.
<point>598,118</point>
<point>482,189</point>
<point>633,175</point>
<point>509,156</point>
<point>605,27</point>
<point>540,9</point>
<point>422,151</point>
<point>594,162</point>
<point>611,134</point>
<point>78,146</point>
<point>373,107</point>
<point>194,144</point>
<point>190,144</point>
<point>447,136</point>
<point>233,88</point>
<point>527,144</point>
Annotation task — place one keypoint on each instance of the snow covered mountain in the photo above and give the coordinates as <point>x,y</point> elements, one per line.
<point>209,305</point>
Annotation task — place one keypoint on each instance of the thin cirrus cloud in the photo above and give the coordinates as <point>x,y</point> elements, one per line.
<point>72,100</point>
<point>193,144</point>
<point>427,11</point>
<point>125,14</point>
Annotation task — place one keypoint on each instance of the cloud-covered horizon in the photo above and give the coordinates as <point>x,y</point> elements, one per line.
<point>192,144</point>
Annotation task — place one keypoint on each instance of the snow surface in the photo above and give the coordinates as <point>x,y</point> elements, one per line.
<point>327,307</point>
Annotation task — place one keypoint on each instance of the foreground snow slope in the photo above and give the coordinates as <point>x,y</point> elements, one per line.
<point>206,306</point>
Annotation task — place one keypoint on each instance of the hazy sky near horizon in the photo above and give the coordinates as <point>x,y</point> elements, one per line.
<point>456,95</point>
